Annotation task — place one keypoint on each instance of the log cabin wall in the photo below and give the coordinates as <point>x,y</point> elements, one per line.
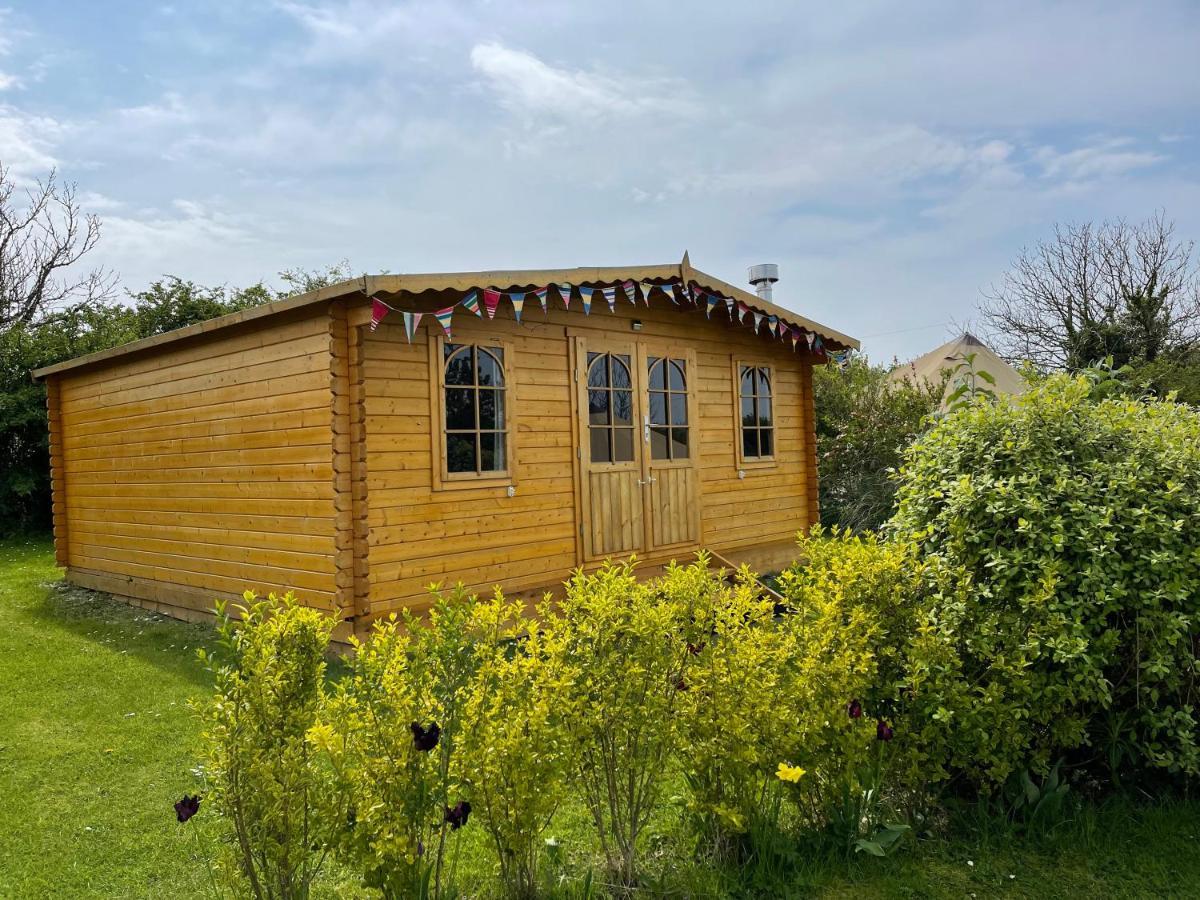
<point>423,529</point>
<point>202,468</point>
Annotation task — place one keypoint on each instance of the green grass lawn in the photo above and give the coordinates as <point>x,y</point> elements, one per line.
<point>97,742</point>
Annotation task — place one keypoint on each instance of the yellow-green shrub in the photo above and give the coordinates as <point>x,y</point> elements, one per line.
<point>408,678</point>
<point>851,604</point>
<point>622,648</point>
<point>276,799</point>
<point>513,757</point>
<point>733,700</point>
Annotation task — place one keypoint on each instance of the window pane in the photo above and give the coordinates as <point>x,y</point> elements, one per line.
<point>658,443</point>
<point>747,411</point>
<point>658,381</point>
<point>459,369</point>
<point>598,407</point>
<point>597,371</point>
<point>491,452</point>
<point>679,409</point>
<point>747,381</point>
<point>620,373</point>
<point>766,442</point>
<point>749,443</point>
<point>491,409</point>
<point>679,443</point>
<point>764,382</point>
<point>490,372</point>
<point>599,439</point>
<point>678,381</point>
<point>460,452</point>
<point>764,410</point>
<point>622,444</point>
<point>658,408</point>
<point>622,407</point>
<point>460,408</point>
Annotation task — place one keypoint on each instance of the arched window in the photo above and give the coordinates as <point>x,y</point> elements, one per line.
<point>610,408</point>
<point>756,414</point>
<point>475,407</point>
<point>668,408</point>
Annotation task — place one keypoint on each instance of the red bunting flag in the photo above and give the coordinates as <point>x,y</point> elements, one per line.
<point>541,294</point>
<point>491,300</point>
<point>564,293</point>
<point>630,292</point>
<point>379,309</point>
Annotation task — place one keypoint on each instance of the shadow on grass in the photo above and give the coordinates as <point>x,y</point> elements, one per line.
<point>99,618</point>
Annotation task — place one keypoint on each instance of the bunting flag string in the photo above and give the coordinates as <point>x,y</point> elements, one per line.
<point>737,309</point>
<point>610,296</point>
<point>443,316</point>
<point>379,309</point>
<point>411,321</point>
<point>471,302</point>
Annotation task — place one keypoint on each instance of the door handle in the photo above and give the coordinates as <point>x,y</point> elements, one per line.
<point>649,480</point>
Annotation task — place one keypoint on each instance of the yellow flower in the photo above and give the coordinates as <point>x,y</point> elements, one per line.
<point>788,773</point>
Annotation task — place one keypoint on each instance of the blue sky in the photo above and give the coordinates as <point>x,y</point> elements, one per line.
<point>892,158</point>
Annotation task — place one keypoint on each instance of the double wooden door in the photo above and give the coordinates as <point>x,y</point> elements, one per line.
<point>639,446</point>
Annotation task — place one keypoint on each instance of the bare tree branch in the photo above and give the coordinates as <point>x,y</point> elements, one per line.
<point>41,241</point>
<point>1121,290</point>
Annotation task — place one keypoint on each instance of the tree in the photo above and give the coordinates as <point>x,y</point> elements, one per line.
<point>1129,292</point>
<point>41,241</point>
<point>865,420</point>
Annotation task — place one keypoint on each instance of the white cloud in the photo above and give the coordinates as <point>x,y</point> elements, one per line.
<point>27,142</point>
<point>526,84</point>
<point>1105,159</point>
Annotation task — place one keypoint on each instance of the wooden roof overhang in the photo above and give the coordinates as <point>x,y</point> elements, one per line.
<point>426,287</point>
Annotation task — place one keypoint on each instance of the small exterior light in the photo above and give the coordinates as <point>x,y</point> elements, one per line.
<point>637,324</point>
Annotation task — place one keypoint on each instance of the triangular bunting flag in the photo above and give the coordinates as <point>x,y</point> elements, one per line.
<point>585,295</point>
<point>795,337</point>
<point>729,306</point>
<point>669,290</point>
<point>646,289</point>
<point>379,309</point>
<point>630,292</point>
<point>491,300</point>
<point>818,344</point>
<point>564,292</point>
<point>712,302</point>
<point>518,302</point>
<point>742,309</point>
<point>411,321</point>
<point>808,336</point>
<point>773,324</point>
<point>758,317</point>
<point>443,316</point>
<point>471,302</point>
<point>610,295</point>
<point>541,294</point>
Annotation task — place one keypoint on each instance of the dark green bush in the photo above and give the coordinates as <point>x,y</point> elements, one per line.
<point>1072,526</point>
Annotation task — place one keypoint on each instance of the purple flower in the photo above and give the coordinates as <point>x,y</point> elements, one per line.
<point>883,731</point>
<point>187,807</point>
<point>854,709</point>
<point>420,848</point>
<point>425,739</point>
<point>457,815</point>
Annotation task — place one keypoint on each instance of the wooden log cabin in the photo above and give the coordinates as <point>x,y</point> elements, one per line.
<point>296,446</point>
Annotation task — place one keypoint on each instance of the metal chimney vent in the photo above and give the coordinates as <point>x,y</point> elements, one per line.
<point>762,277</point>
